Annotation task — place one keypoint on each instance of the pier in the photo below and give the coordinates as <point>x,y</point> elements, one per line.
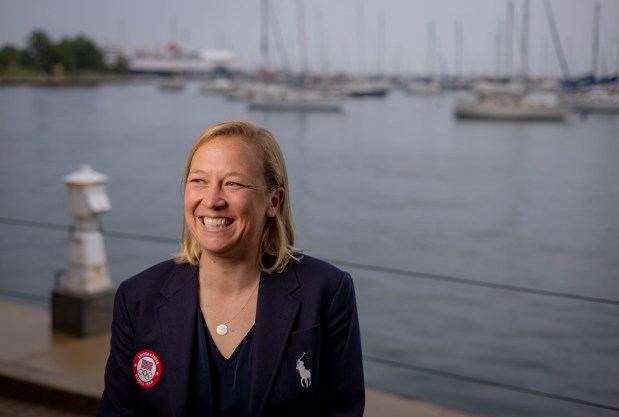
<point>50,373</point>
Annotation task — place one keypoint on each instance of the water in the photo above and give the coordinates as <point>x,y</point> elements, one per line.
<point>394,182</point>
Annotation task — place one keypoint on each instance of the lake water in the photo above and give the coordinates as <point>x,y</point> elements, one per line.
<point>396,183</point>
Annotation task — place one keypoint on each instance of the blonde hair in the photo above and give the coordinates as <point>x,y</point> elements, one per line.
<point>277,243</point>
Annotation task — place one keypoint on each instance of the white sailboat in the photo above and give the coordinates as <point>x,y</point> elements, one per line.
<point>277,97</point>
<point>596,100</point>
<point>430,85</point>
<point>511,101</point>
<point>218,85</point>
<point>299,100</point>
<point>418,88</point>
<point>511,107</point>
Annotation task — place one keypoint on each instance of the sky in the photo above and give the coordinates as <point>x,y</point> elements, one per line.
<point>439,37</point>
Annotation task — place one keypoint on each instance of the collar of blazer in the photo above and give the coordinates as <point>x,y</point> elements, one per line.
<point>275,316</point>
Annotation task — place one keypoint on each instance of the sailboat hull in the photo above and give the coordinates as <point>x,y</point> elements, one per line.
<point>483,111</point>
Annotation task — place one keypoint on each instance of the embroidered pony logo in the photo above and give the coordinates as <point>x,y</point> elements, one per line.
<point>305,374</point>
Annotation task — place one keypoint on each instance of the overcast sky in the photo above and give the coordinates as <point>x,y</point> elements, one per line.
<point>394,35</point>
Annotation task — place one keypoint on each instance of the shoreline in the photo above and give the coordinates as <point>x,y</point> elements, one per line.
<point>85,80</point>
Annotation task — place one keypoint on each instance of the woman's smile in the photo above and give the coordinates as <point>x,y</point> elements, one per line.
<point>216,222</point>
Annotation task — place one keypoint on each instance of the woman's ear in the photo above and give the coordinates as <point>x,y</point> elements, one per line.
<point>277,198</point>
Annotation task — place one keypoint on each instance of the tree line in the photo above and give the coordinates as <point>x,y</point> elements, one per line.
<point>74,55</point>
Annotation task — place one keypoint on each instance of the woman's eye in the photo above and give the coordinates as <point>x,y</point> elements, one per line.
<point>233,184</point>
<point>196,181</point>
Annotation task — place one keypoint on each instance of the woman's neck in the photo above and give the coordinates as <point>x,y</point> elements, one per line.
<point>224,276</point>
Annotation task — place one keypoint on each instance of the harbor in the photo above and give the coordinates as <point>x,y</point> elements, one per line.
<point>471,207</point>
<point>466,182</point>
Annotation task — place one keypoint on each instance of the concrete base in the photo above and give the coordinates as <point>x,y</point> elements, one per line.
<point>82,314</point>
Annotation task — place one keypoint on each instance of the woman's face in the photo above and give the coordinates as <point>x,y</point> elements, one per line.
<point>226,199</point>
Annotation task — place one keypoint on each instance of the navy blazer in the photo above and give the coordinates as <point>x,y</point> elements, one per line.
<point>307,311</point>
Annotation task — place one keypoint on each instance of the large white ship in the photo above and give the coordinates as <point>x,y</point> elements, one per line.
<point>173,60</point>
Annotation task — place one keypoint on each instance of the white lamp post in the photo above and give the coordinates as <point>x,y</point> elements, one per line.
<point>82,304</point>
<point>86,200</point>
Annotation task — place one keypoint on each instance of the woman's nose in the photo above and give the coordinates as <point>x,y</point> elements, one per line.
<point>213,197</point>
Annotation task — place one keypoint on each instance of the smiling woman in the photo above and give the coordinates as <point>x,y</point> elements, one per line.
<point>242,158</point>
<point>227,201</point>
<point>239,323</point>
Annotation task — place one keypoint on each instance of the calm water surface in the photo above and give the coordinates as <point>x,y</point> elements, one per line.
<point>394,182</point>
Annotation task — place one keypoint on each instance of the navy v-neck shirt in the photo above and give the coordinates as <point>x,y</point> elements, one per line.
<point>221,385</point>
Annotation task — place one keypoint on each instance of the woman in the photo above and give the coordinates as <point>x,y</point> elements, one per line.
<point>239,323</point>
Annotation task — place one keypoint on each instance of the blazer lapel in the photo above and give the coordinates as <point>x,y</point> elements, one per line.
<point>177,320</point>
<point>275,315</point>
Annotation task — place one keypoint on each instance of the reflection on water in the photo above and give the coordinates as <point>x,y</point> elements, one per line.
<point>395,182</point>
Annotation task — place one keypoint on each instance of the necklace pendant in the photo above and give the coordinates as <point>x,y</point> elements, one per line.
<point>222,330</point>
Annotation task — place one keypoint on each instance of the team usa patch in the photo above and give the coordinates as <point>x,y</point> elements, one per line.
<point>146,368</point>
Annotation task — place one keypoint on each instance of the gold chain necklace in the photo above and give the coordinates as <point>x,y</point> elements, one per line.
<point>222,329</point>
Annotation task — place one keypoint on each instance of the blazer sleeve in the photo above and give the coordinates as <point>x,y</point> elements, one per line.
<point>119,394</point>
<point>346,393</point>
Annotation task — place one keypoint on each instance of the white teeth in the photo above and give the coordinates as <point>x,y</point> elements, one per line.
<point>217,222</point>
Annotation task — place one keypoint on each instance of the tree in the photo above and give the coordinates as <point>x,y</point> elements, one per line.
<point>41,54</point>
<point>64,52</point>
<point>9,56</point>
<point>40,50</point>
<point>87,56</point>
<point>121,64</point>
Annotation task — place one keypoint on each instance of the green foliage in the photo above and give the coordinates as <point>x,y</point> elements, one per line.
<point>40,49</point>
<point>121,65</point>
<point>74,55</point>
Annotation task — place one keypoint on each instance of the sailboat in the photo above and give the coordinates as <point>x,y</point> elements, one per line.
<point>218,85</point>
<point>364,86</point>
<point>285,97</point>
<point>423,88</point>
<point>300,100</point>
<point>595,100</point>
<point>511,101</point>
<point>600,96</point>
<point>511,107</point>
<point>427,86</point>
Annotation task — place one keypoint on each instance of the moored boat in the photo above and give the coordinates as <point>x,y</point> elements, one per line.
<point>597,100</point>
<point>218,86</point>
<point>172,84</point>
<point>367,88</point>
<point>511,107</point>
<point>295,100</point>
<point>423,88</point>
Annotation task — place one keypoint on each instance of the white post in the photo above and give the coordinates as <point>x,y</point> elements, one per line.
<point>86,200</point>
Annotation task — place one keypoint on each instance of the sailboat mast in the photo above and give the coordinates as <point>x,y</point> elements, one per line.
<point>320,41</point>
<point>556,40</point>
<point>498,41</point>
<point>596,39</point>
<point>524,41</point>
<point>380,46</point>
<point>361,32</point>
<point>458,49</point>
<point>430,52</point>
<point>279,42</point>
<point>264,40</point>
<point>509,40</point>
<point>302,37</point>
